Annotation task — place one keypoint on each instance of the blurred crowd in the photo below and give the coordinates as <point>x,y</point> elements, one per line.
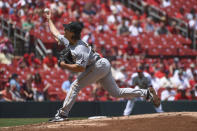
<point>183,12</point>
<point>101,18</point>
<point>111,16</point>
<point>32,89</point>
<point>174,79</point>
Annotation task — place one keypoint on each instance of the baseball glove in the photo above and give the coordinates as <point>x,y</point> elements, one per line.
<point>66,56</point>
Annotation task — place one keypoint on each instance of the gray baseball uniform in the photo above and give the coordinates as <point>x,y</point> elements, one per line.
<point>95,70</point>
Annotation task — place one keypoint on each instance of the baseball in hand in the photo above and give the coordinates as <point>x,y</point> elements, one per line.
<point>46,10</point>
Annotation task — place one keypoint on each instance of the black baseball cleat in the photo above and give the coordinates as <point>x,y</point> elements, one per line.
<point>58,117</point>
<point>152,96</point>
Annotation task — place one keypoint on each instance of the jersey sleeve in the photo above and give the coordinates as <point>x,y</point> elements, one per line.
<point>149,82</point>
<point>63,40</point>
<point>82,56</point>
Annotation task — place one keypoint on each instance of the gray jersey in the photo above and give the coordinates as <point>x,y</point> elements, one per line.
<point>82,53</point>
<point>136,74</point>
<point>143,82</point>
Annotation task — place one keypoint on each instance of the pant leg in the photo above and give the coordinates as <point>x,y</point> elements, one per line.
<point>129,107</point>
<point>91,75</point>
<point>159,109</point>
<point>109,84</point>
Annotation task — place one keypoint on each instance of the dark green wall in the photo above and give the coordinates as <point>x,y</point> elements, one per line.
<point>85,109</point>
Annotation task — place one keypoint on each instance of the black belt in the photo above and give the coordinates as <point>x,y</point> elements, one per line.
<point>98,58</point>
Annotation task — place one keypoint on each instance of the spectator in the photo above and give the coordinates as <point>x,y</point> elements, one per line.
<point>73,6</point>
<point>181,95</point>
<point>129,50</point>
<point>191,14</point>
<point>181,69</point>
<point>14,82</point>
<point>181,13</point>
<point>193,24</point>
<point>191,71</point>
<point>27,88</point>
<point>4,6</point>
<point>114,18</point>
<point>76,13</point>
<point>3,80</point>
<point>155,82</point>
<point>162,30</point>
<point>16,94</point>
<point>90,8</point>
<point>14,18</point>
<point>29,60</point>
<point>123,29</point>
<point>168,94</point>
<point>139,16</point>
<point>166,3</point>
<point>54,6</point>
<point>173,28</point>
<point>139,50</point>
<point>22,14</point>
<point>27,25</point>
<point>135,29</point>
<point>105,6</point>
<point>174,66</point>
<point>193,81</point>
<point>24,61</point>
<point>166,81</point>
<point>5,95</point>
<point>66,84</point>
<point>149,27</point>
<point>160,71</point>
<point>5,57</point>
<point>180,81</point>
<point>117,71</point>
<point>192,95</point>
<point>40,89</point>
<point>6,43</point>
<point>102,27</point>
<point>99,94</point>
<point>195,90</point>
<point>115,6</point>
<point>34,62</point>
<point>50,61</point>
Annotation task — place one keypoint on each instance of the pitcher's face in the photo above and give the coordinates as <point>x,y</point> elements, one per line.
<point>69,35</point>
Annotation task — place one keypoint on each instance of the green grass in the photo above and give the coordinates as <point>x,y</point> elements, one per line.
<point>6,122</point>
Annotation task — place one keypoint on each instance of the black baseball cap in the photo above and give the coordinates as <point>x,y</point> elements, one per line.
<point>75,27</point>
<point>140,69</point>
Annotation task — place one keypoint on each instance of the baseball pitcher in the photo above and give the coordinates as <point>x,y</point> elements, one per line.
<point>92,67</point>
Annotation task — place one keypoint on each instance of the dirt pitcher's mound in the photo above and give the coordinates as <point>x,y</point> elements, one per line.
<point>174,121</point>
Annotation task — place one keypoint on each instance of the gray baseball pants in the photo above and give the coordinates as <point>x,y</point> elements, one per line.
<point>101,72</point>
<point>130,104</point>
